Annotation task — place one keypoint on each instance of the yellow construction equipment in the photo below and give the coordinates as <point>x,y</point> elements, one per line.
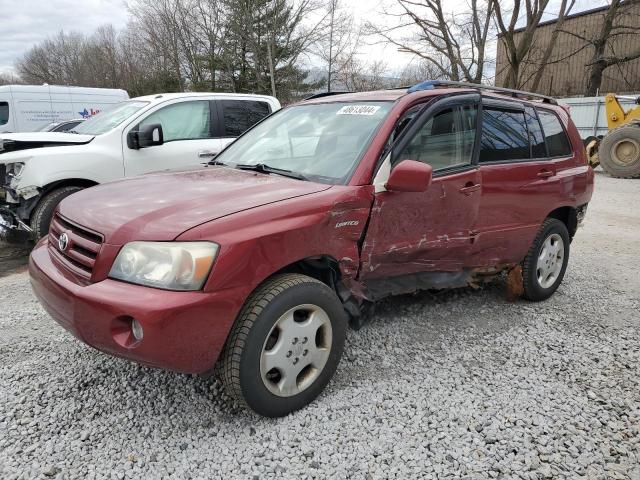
<point>619,151</point>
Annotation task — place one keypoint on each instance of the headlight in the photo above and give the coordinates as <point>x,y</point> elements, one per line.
<point>168,265</point>
<point>15,169</point>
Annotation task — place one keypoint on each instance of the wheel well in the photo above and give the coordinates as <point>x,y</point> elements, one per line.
<point>324,268</point>
<point>68,182</point>
<point>568,216</point>
<point>30,206</point>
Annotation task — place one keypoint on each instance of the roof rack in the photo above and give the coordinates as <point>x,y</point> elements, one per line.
<point>431,84</point>
<point>325,94</point>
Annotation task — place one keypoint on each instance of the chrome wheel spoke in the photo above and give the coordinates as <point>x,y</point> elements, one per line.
<point>550,260</point>
<point>296,359</point>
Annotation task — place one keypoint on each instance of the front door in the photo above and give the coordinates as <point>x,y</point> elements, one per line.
<point>188,130</point>
<point>432,231</point>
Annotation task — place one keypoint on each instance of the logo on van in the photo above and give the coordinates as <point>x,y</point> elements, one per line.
<point>88,113</point>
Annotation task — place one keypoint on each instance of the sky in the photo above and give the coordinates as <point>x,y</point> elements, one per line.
<point>28,22</point>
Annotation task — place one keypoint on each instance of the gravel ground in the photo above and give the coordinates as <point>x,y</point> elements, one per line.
<point>448,385</point>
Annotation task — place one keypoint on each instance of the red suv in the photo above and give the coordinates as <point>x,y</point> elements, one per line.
<point>259,261</point>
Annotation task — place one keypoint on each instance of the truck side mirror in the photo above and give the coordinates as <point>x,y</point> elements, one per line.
<point>410,176</point>
<point>147,136</point>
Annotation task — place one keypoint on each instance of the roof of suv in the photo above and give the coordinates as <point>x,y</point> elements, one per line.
<point>430,88</point>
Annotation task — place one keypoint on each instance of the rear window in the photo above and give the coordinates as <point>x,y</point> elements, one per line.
<point>557,142</point>
<point>504,135</point>
<point>240,115</point>
<point>4,113</point>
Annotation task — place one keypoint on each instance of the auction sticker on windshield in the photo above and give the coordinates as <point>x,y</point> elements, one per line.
<point>358,110</point>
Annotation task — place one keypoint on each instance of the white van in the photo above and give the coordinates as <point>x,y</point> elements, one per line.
<point>28,108</point>
<point>141,135</point>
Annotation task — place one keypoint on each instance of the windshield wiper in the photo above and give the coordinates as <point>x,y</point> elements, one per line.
<point>73,131</point>
<point>263,168</point>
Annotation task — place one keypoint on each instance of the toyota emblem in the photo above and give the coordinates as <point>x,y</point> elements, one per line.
<point>63,242</point>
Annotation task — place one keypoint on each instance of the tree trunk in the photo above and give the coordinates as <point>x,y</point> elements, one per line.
<point>272,72</point>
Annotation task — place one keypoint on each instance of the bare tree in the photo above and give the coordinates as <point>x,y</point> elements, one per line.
<point>454,43</point>
<point>518,41</point>
<point>10,79</point>
<point>617,22</point>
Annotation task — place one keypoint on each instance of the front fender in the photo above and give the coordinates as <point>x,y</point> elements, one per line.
<point>49,165</point>
<point>255,244</point>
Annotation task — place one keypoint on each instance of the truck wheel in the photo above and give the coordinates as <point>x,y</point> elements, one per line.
<point>619,152</point>
<point>285,345</point>
<point>42,214</point>
<point>544,266</point>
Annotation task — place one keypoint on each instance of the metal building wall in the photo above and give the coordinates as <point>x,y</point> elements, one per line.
<point>589,115</point>
<point>568,75</point>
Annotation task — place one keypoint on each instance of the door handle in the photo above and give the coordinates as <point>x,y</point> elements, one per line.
<point>470,187</point>
<point>207,154</point>
<point>545,173</point>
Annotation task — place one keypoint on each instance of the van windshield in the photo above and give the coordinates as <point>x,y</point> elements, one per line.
<point>105,121</point>
<point>322,142</point>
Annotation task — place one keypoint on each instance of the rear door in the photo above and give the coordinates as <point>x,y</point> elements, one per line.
<point>410,233</point>
<point>519,182</point>
<point>188,130</point>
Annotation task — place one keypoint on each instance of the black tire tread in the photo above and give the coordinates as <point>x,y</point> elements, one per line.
<point>229,368</point>
<point>633,126</point>
<point>527,263</point>
<point>47,206</point>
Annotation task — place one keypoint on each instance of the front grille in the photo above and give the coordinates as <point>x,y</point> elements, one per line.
<point>82,247</point>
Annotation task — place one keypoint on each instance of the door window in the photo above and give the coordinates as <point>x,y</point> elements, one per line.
<point>504,135</point>
<point>239,115</point>
<point>557,141</point>
<point>4,113</point>
<point>182,121</point>
<point>446,140</point>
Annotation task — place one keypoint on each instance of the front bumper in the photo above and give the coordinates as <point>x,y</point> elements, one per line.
<point>183,331</point>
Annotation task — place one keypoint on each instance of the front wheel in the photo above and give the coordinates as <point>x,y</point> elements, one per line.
<point>285,345</point>
<point>43,213</point>
<point>544,266</point>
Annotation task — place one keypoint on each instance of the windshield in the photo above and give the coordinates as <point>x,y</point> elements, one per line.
<point>105,121</point>
<point>321,141</point>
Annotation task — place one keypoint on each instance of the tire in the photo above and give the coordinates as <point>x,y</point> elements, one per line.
<point>541,280</point>
<point>43,213</point>
<point>619,152</point>
<point>275,326</point>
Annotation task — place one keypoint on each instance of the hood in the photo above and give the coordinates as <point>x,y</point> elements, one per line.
<point>10,142</point>
<point>162,206</point>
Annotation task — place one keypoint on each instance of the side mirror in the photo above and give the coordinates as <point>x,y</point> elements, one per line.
<point>147,136</point>
<point>410,176</point>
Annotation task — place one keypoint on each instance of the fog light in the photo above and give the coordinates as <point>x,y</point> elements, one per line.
<point>136,329</point>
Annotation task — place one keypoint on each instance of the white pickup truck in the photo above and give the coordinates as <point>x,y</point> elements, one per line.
<point>141,135</point>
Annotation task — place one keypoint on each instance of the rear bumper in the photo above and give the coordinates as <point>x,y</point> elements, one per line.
<point>183,331</point>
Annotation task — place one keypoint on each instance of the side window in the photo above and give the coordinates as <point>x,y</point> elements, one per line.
<point>536,137</point>
<point>182,121</point>
<point>402,123</point>
<point>557,141</point>
<point>4,113</point>
<point>504,135</point>
<point>239,115</point>
<point>446,140</point>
